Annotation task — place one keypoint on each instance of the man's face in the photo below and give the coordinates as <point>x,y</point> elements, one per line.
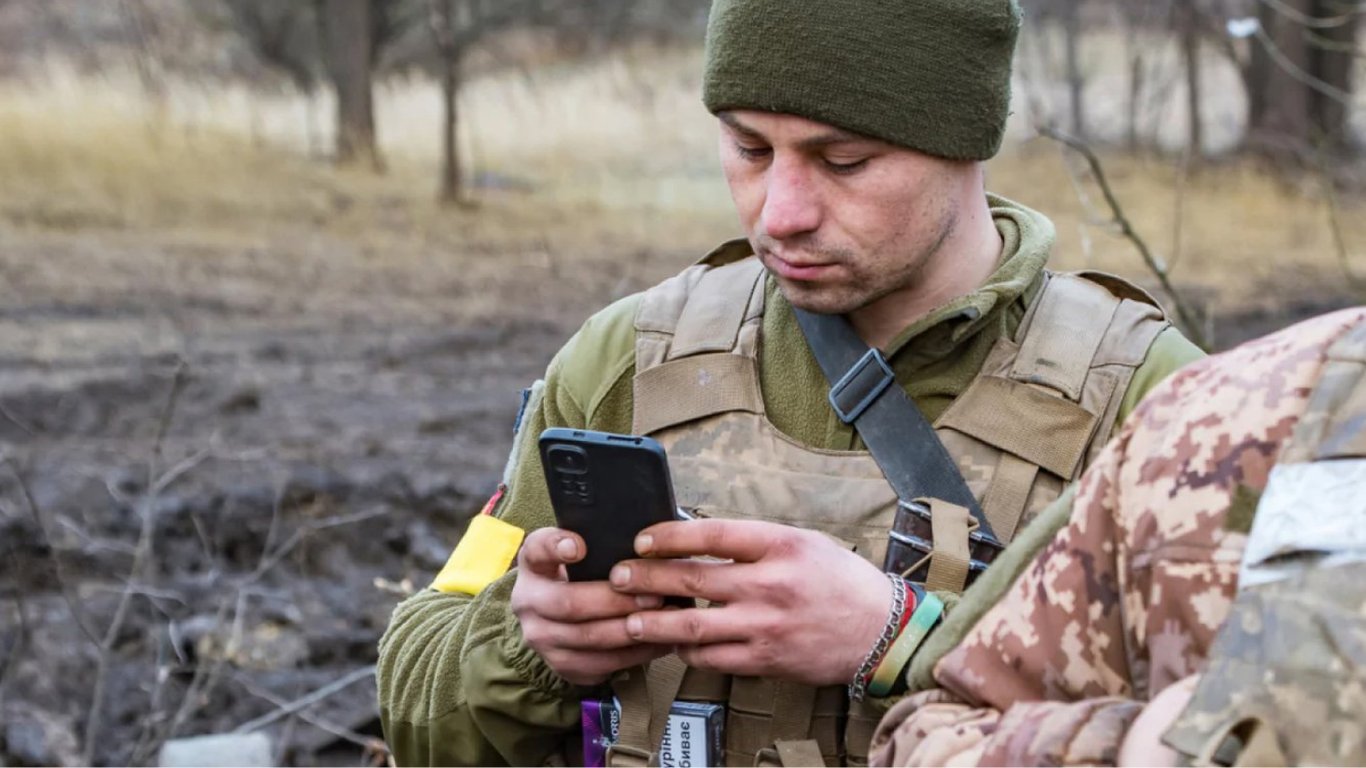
<point>840,220</point>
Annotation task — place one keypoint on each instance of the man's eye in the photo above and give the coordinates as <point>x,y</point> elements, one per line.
<point>846,168</point>
<point>752,153</point>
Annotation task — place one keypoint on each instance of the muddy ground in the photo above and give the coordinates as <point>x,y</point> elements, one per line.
<point>296,429</point>
<point>239,450</point>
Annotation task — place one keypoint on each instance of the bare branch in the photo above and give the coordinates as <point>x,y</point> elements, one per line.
<point>16,421</point>
<point>322,693</point>
<point>1335,224</point>
<point>141,555</point>
<point>1315,22</point>
<point>1305,78</point>
<point>341,732</point>
<point>1126,229</point>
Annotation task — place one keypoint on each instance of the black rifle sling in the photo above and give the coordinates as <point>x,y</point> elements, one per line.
<point>864,392</point>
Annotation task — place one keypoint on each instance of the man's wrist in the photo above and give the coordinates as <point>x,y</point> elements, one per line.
<point>897,615</point>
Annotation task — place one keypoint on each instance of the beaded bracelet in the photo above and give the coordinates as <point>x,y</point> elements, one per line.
<point>858,688</point>
<point>924,618</point>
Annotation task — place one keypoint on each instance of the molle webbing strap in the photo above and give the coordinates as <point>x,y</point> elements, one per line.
<point>1008,494</point>
<point>866,394</point>
<point>1072,316</point>
<point>950,525</point>
<point>646,697</point>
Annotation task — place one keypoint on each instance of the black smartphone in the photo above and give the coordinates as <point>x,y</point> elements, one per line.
<point>606,488</point>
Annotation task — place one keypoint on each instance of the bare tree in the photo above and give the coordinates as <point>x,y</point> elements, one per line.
<point>281,37</point>
<point>456,26</point>
<point>1188,24</point>
<point>1070,13</point>
<point>1298,77</point>
<point>350,55</point>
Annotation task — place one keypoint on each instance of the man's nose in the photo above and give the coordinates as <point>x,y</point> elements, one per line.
<point>791,205</point>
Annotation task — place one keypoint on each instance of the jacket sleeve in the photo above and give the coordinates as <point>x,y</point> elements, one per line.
<point>457,683</point>
<point>1127,598</point>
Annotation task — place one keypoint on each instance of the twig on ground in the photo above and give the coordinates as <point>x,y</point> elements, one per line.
<point>59,571</point>
<point>16,421</point>
<point>1125,228</point>
<point>324,692</point>
<point>340,731</point>
<point>272,559</point>
<point>147,508</point>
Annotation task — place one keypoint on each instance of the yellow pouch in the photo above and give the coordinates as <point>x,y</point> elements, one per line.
<point>484,553</point>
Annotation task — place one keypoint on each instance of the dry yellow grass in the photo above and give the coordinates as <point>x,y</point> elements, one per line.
<point>618,154</point>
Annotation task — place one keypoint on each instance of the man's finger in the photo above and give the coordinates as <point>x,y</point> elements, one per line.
<point>690,626</point>
<point>744,541</point>
<point>602,635</point>
<point>715,582</point>
<point>588,601</point>
<point>594,667</point>
<point>546,549</point>
<point>729,658</point>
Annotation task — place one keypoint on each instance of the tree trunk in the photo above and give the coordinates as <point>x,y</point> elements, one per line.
<point>1188,21</point>
<point>351,68</point>
<point>1332,57</point>
<point>1280,103</point>
<point>1136,71</point>
<point>1071,19</point>
<point>450,150</point>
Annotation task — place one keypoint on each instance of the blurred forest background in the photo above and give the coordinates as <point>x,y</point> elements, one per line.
<point>273,272</point>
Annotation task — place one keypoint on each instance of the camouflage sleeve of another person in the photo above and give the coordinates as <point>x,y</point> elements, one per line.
<point>457,683</point>
<point>1126,599</point>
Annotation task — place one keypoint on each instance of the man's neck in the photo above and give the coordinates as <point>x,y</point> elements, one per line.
<point>962,264</point>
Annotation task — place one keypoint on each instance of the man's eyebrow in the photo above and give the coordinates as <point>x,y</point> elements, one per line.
<point>819,141</point>
<point>735,125</point>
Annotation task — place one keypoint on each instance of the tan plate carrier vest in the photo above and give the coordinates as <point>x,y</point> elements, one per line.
<point>1038,412</point>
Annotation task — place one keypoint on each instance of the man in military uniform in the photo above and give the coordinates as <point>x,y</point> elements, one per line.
<point>852,135</point>
<point>1086,641</point>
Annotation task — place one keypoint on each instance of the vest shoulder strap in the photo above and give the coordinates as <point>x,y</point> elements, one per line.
<point>1074,320</point>
<point>697,340</point>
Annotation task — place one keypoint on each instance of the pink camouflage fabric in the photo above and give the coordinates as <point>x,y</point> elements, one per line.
<point>1129,595</point>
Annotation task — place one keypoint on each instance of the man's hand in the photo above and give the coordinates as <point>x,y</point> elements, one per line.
<point>579,628</point>
<point>797,605</point>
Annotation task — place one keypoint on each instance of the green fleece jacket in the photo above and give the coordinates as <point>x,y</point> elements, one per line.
<point>457,683</point>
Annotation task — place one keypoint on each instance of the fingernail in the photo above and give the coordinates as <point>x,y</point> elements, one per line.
<point>567,548</point>
<point>621,575</point>
<point>647,601</point>
<point>634,627</point>
<point>644,543</point>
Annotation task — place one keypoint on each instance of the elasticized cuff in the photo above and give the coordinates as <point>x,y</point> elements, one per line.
<point>528,664</point>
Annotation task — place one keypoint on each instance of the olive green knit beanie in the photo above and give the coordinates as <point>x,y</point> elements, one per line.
<point>931,75</point>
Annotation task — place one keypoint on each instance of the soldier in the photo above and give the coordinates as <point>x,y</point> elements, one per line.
<point>852,136</point>
<point>1085,653</point>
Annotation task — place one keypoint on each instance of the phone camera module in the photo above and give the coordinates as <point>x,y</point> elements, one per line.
<point>569,460</point>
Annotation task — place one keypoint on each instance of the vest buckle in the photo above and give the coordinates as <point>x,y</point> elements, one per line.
<point>630,757</point>
<point>861,385</point>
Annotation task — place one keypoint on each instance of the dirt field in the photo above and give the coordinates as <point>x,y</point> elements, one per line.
<point>246,401</point>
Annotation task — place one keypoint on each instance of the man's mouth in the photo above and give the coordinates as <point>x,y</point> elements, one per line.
<point>798,270</point>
